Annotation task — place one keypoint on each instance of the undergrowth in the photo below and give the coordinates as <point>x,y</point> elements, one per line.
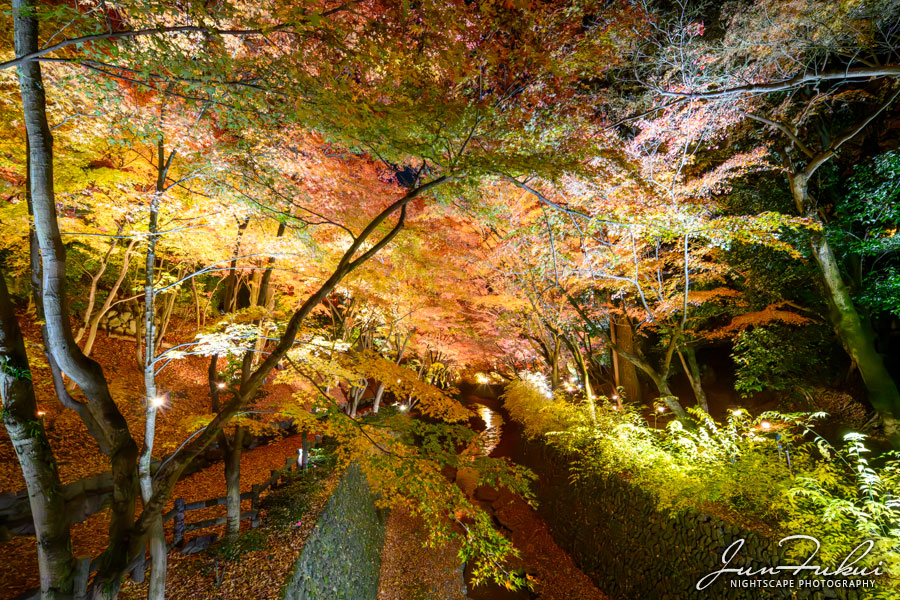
<point>281,509</point>
<point>771,472</point>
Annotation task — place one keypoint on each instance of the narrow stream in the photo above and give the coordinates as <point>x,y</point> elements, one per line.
<point>486,444</point>
<point>489,439</point>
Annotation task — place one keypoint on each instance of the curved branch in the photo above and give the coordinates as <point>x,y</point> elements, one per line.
<point>134,33</point>
<point>823,157</point>
<point>785,130</point>
<point>788,84</point>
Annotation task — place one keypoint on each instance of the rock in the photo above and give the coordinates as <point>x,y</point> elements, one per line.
<point>7,500</point>
<point>76,488</point>
<point>199,543</point>
<point>486,493</point>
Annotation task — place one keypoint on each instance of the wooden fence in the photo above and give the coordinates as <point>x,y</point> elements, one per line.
<point>181,507</point>
<point>84,567</point>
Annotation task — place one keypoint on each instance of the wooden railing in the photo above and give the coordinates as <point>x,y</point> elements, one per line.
<point>85,566</point>
<point>181,507</point>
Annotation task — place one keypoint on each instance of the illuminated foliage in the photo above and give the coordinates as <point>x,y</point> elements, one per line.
<point>737,469</point>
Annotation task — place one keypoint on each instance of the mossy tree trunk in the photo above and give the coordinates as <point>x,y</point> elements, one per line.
<point>849,325</point>
<point>29,439</point>
<point>111,427</point>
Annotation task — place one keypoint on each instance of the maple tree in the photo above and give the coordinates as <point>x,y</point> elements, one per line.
<point>469,113</point>
<point>724,87</point>
<point>343,209</point>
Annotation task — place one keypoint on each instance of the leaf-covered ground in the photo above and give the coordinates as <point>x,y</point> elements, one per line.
<point>78,456</point>
<point>184,380</point>
<point>18,557</point>
<point>411,571</point>
<point>258,563</point>
<point>554,573</point>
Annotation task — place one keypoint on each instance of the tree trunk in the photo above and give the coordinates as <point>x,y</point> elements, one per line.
<point>232,454</point>
<point>659,376</point>
<point>59,385</point>
<point>666,395</point>
<point>26,432</point>
<point>614,356</point>
<point>355,395</point>
<point>233,448</point>
<point>628,376</point>
<point>363,343</point>
<point>212,373</point>
<point>196,301</point>
<point>400,350</point>
<point>409,399</point>
<point>94,325</point>
<point>158,559</point>
<point>857,338</point>
<point>692,371</point>
<point>95,280</point>
<point>554,364</point>
<point>86,373</point>
<point>139,337</point>
<point>849,325</point>
<point>152,401</point>
<point>255,285</point>
<point>585,375</point>
<point>230,292</point>
<point>379,392</point>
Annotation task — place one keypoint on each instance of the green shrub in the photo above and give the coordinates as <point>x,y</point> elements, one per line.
<point>233,549</point>
<point>778,357</point>
<point>771,472</point>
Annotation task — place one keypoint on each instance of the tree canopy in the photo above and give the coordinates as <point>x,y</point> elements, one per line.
<point>337,212</point>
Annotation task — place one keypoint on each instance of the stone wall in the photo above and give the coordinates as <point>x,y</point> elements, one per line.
<point>616,535</point>
<point>342,557</point>
<point>123,321</point>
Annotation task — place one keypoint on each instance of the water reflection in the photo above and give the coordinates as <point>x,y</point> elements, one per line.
<point>484,443</point>
<point>493,427</point>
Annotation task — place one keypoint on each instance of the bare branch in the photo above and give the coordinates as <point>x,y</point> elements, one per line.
<point>788,84</point>
<point>785,130</point>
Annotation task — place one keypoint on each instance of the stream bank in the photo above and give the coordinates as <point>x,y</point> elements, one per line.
<point>412,571</point>
<point>552,571</point>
